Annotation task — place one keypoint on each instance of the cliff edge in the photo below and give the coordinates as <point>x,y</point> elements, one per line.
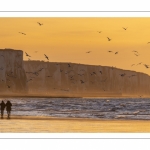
<point>12,74</point>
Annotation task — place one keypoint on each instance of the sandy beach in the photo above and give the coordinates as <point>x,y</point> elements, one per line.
<point>33,124</point>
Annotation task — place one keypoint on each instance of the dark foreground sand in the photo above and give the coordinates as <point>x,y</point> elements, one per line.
<point>26,124</point>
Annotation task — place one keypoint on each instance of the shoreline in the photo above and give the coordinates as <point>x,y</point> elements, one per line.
<point>13,117</point>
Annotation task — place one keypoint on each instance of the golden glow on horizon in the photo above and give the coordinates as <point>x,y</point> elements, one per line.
<point>68,40</point>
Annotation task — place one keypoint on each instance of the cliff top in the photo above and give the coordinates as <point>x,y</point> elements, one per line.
<point>9,49</point>
<point>61,63</point>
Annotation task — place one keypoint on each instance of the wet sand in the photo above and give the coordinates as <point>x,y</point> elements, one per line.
<point>33,124</point>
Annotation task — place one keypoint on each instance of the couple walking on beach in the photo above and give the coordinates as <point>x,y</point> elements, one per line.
<point>8,108</point>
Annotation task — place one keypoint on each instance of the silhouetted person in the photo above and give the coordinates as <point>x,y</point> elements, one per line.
<point>2,104</point>
<point>8,108</point>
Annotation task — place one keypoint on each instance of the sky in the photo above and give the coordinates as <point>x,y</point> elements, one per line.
<point>68,40</point>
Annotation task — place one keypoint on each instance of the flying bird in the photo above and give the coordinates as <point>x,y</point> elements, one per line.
<point>147,66</point>
<point>148,42</point>
<point>136,54</point>
<point>132,64</point>
<point>135,51</point>
<point>139,63</point>
<point>99,31</point>
<point>108,39</point>
<point>8,86</point>
<point>100,72</point>
<point>22,33</point>
<point>39,23</point>
<point>88,52</point>
<point>46,57</point>
<point>124,28</point>
<point>27,55</point>
<point>94,73</point>
<point>122,75</point>
<point>82,81</point>
<point>116,52</point>
<point>109,51</point>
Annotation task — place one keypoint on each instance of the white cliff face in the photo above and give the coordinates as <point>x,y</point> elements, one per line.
<point>12,74</point>
<point>69,79</point>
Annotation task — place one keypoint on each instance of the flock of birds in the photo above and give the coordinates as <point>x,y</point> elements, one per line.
<point>40,24</point>
<point>93,73</point>
<point>136,53</point>
<point>76,78</point>
<point>73,78</point>
<point>108,38</point>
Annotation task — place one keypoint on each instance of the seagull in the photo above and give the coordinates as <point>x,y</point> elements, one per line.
<point>8,86</point>
<point>82,81</point>
<point>132,64</point>
<point>109,51</point>
<point>124,28</point>
<point>46,57</point>
<point>147,66</point>
<point>94,73</point>
<point>41,69</point>
<point>122,75</point>
<point>108,39</point>
<point>139,63</point>
<point>27,54</point>
<point>116,53</point>
<point>148,42</point>
<point>22,33</point>
<point>100,72</point>
<point>39,23</point>
<point>88,52</point>
<point>136,54</point>
<point>135,51</point>
<point>99,31</point>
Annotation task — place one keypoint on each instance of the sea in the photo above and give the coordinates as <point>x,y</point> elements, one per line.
<point>86,108</point>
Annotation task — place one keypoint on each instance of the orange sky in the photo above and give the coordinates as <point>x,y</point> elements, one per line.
<point>68,40</point>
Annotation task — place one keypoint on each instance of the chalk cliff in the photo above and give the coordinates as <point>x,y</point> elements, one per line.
<point>70,79</point>
<point>12,74</point>
<point>39,78</point>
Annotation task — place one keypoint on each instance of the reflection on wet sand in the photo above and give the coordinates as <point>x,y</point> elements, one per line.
<point>55,125</point>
